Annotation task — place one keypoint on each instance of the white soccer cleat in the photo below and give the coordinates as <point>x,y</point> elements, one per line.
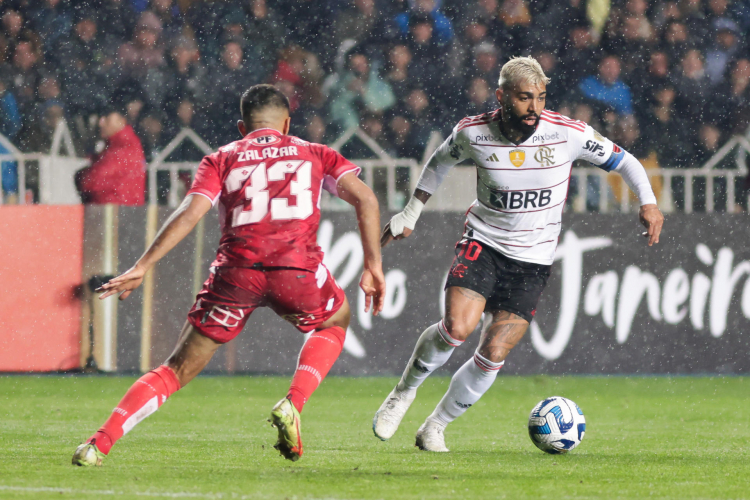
<point>388,417</point>
<point>88,455</point>
<point>430,437</point>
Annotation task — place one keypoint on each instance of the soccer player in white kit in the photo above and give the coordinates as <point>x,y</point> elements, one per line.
<point>524,155</point>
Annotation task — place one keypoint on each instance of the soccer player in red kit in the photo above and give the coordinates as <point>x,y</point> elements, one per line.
<point>268,187</point>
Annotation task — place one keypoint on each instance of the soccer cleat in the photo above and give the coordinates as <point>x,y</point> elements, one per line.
<point>286,419</point>
<point>388,417</point>
<point>430,437</point>
<point>88,455</point>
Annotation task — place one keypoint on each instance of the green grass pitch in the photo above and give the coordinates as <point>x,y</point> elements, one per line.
<point>659,437</point>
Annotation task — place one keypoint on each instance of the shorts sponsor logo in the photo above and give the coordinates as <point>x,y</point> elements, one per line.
<point>545,156</point>
<point>514,200</point>
<point>517,157</point>
<point>545,137</point>
<point>226,317</point>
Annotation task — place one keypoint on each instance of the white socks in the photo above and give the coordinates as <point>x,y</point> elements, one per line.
<point>433,349</point>
<point>468,384</point>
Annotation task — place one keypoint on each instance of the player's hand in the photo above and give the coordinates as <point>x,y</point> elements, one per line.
<point>124,284</point>
<point>652,219</point>
<point>373,284</point>
<point>387,235</point>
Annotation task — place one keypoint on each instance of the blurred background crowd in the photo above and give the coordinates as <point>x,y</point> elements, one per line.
<point>668,80</point>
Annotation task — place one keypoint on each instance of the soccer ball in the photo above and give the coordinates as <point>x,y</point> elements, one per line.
<point>556,425</point>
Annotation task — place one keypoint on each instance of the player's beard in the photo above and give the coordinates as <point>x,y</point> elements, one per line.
<point>523,127</point>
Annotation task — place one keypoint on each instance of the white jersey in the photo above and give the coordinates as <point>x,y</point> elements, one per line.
<point>521,188</point>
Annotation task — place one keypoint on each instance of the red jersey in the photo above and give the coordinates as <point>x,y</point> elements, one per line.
<point>268,186</point>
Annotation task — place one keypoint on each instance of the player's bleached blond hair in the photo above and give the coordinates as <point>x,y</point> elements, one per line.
<point>522,69</point>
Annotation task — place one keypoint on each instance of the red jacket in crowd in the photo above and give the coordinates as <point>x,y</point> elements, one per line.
<point>118,174</point>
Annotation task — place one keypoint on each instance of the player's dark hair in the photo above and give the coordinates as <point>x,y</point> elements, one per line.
<point>261,96</point>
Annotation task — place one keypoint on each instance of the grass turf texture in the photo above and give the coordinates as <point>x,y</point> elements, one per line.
<point>646,437</point>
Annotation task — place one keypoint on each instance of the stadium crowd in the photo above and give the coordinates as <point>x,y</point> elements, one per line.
<point>667,79</point>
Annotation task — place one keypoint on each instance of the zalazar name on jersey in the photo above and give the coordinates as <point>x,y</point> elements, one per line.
<point>521,188</point>
<point>268,187</point>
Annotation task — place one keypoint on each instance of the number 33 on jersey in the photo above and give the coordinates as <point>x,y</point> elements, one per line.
<point>268,189</point>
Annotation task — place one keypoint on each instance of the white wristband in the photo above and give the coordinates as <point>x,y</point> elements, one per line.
<point>407,218</point>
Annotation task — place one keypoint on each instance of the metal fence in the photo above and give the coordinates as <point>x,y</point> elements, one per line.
<point>706,188</point>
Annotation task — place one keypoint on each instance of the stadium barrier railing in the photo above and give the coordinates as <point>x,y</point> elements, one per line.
<point>393,179</point>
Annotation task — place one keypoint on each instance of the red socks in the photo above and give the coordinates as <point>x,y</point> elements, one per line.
<point>318,354</point>
<point>151,390</point>
<point>142,399</point>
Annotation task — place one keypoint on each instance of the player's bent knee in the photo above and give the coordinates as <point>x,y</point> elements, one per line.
<point>459,328</point>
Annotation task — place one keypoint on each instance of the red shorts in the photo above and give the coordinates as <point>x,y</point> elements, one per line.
<point>231,294</point>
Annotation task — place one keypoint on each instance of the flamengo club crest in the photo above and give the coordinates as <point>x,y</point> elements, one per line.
<point>545,156</point>
<point>517,157</point>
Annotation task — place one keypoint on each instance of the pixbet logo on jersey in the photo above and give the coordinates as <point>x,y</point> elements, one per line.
<point>513,200</point>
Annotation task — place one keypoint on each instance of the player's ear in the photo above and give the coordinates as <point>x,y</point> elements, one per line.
<point>241,128</point>
<point>287,123</point>
<point>499,94</point>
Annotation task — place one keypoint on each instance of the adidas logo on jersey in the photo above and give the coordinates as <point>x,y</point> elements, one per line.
<point>492,157</point>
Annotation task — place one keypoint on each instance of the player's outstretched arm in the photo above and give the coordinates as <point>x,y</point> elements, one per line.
<point>179,225</point>
<point>402,224</point>
<point>360,196</point>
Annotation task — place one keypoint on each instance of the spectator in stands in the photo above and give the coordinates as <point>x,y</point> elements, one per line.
<point>516,17</point>
<point>474,32</point>
<point>52,18</point>
<point>730,102</point>
<point>10,124</point>
<point>607,86</point>
<point>183,75</point>
<point>429,65</point>
<point>150,131</point>
<point>485,64</point>
<point>401,139</point>
<point>143,52</point>
<point>480,97</point>
<point>117,174</point>
<point>644,81</point>
<point>692,86</point>
<point>265,32</point>
<point>119,17</point>
<point>315,130</point>
<point>229,79</point>
<point>675,40</point>
<point>10,117</point>
<point>442,25</point>
<point>39,125</point>
<point>421,114</point>
<point>25,74</point>
<point>358,22</point>
<point>725,47</point>
<point>86,67</point>
<point>398,76</point>
<point>169,17</point>
<point>360,88</point>
<point>579,56</point>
